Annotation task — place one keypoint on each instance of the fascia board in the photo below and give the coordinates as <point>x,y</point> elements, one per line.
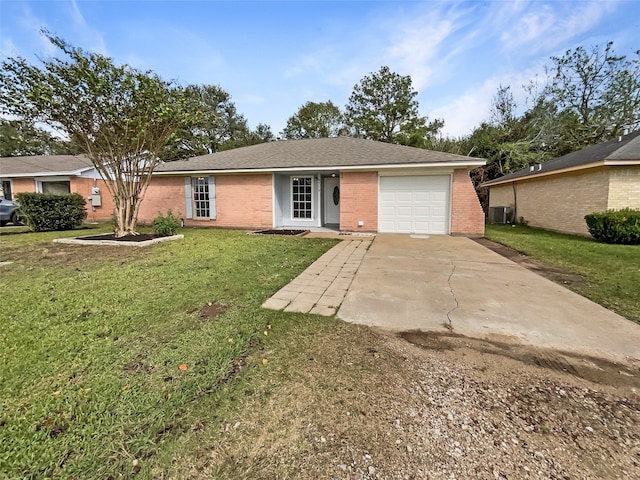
<point>72,173</point>
<point>341,168</point>
<point>536,175</point>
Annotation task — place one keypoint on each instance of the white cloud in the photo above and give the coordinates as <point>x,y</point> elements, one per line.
<point>90,38</point>
<point>541,26</point>
<point>421,45</point>
<point>473,107</point>
<point>8,48</point>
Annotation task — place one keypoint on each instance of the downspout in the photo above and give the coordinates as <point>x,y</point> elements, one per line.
<point>515,203</point>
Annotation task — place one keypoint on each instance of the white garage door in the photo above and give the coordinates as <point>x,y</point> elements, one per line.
<point>418,204</point>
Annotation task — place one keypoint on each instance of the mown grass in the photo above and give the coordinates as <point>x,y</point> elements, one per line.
<point>106,358</point>
<point>611,272</point>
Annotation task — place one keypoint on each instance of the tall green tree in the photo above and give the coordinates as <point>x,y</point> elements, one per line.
<point>261,134</point>
<point>315,120</point>
<point>121,118</point>
<point>383,107</point>
<point>599,91</point>
<point>219,127</point>
<point>19,137</point>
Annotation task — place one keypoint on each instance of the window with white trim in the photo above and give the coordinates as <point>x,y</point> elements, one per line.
<point>302,198</point>
<point>201,207</point>
<point>61,187</point>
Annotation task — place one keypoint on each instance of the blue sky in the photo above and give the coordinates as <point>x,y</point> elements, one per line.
<point>272,57</point>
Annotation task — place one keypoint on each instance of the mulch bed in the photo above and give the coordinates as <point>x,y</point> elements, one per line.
<point>143,237</point>
<point>281,232</point>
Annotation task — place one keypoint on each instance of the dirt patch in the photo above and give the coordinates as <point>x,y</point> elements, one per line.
<point>56,255</point>
<point>366,404</point>
<point>212,310</point>
<point>552,273</point>
<point>593,369</point>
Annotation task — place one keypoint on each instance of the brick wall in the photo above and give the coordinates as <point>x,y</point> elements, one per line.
<point>624,188</point>
<point>244,201</point>
<point>19,185</point>
<point>83,187</point>
<point>359,201</point>
<point>163,194</point>
<point>557,202</point>
<point>76,185</point>
<point>467,217</point>
<point>501,196</point>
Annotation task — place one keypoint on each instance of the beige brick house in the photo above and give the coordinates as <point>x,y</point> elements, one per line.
<point>343,183</point>
<point>557,194</point>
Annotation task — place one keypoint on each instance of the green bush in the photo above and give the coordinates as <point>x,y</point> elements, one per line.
<point>166,226</point>
<point>615,226</point>
<point>44,211</point>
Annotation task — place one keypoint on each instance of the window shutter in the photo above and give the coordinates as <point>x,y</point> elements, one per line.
<point>212,197</point>
<point>187,197</point>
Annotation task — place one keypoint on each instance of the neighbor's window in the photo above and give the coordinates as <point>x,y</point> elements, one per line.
<point>301,194</point>
<point>57,188</point>
<point>6,190</point>
<point>201,197</point>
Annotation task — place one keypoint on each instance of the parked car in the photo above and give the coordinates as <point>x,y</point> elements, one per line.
<point>9,212</point>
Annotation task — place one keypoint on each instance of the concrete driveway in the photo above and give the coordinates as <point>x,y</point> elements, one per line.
<point>440,282</point>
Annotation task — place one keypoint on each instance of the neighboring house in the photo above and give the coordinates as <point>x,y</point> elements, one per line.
<point>57,174</point>
<point>557,194</point>
<point>348,184</point>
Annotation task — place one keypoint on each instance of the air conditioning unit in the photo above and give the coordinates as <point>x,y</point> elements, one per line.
<point>500,215</point>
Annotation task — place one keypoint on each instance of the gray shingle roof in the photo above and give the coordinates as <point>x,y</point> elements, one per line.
<point>625,148</point>
<point>44,165</point>
<point>314,153</point>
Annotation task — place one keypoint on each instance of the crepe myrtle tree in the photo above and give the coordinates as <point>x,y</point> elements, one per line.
<point>120,117</point>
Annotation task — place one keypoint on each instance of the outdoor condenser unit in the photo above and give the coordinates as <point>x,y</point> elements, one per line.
<point>500,215</point>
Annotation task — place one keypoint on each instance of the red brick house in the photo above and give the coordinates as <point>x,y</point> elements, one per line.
<point>344,183</point>
<point>57,174</point>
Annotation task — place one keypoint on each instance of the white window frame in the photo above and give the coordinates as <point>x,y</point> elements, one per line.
<point>206,201</point>
<point>292,179</point>
<point>41,180</point>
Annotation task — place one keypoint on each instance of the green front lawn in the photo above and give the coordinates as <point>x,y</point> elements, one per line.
<point>111,354</point>
<point>611,272</point>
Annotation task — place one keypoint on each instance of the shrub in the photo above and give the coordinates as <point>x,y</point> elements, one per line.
<point>166,226</point>
<point>44,211</point>
<point>615,226</point>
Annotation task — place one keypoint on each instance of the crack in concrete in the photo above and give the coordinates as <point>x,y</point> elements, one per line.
<point>455,299</point>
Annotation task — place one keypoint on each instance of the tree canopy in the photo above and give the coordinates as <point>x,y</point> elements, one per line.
<point>218,127</point>
<point>315,120</point>
<point>590,96</point>
<point>601,91</point>
<point>383,107</point>
<point>19,137</point>
<point>120,117</point>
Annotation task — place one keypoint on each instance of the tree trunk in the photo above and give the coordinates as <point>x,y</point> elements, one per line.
<point>126,210</point>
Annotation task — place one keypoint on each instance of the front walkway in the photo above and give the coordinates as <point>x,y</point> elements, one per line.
<point>321,288</point>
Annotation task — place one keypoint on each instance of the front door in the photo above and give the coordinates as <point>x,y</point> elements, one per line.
<point>331,203</point>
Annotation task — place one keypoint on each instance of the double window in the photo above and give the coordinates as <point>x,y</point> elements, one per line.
<point>302,198</point>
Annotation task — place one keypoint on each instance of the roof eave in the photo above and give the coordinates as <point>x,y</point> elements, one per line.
<point>458,164</point>
<point>621,162</point>
<point>71,173</point>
